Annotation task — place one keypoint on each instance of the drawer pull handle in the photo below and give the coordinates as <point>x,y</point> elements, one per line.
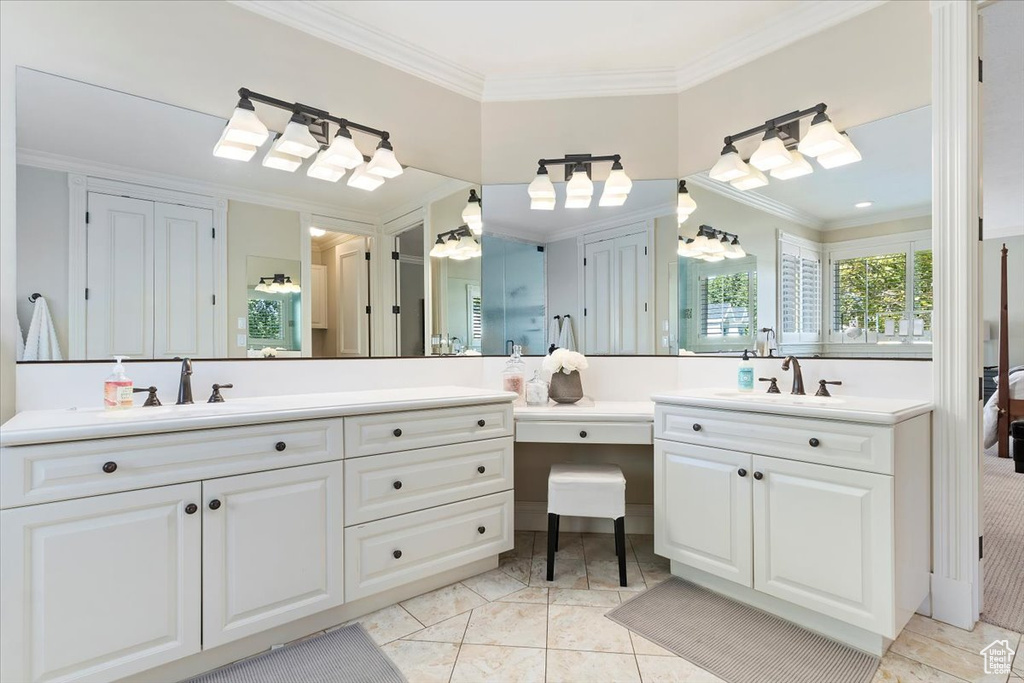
<point>742,472</point>
<point>758,476</point>
<point>280,446</point>
<point>583,435</point>
<point>214,504</point>
<point>191,509</point>
<point>814,443</point>
<point>397,432</point>
<point>481,423</point>
<point>397,554</point>
<point>397,485</point>
<point>481,529</point>
<point>481,469</point>
<point>110,467</point>
<point>697,427</point>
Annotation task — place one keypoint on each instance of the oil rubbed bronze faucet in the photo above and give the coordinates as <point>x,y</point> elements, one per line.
<point>185,385</point>
<point>798,377</point>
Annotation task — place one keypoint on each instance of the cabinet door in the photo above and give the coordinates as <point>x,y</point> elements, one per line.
<point>272,549</point>
<point>702,508</point>
<point>823,539</point>
<point>318,297</point>
<point>100,588</point>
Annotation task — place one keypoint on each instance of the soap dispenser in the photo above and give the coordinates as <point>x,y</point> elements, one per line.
<point>117,390</point>
<point>745,375</point>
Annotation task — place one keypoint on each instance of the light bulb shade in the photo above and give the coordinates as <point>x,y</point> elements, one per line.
<point>580,185</point>
<point>578,202</point>
<point>343,152</point>
<point>611,199</point>
<point>682,217</point>
<point>714,246</point>
<point>451,245</point>
<point>541,187</point>
<point>439,250</point>
<point>686,248</point>
<point>684,202</point>
<point>700,243</point>
<point>771,153</point>
<point>543,204</point>
<point>748,182</point>
<point>297,140</point>
<point>472,215</point>
<point>617,183</point>
<point>261,286</point>
<point>384,163</point>
<point>821,138</point>
<point>737,250</point>
<point>275,158</point>
<point>236,151</point>
<point>798,167</point>
<point>729,166</point>
<point>362,180</point>
<point>321,170</point>
<point>713,258</point>
<point>847,154</point>
<point>244,127</point>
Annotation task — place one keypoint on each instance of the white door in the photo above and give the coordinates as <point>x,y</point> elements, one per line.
<point>702,508</point>
<point>183,296</point>
<point>121,578</point>
<point>272,549</point>
<point>600,300</point>
<point>616,283</point>
<point>119,277</point>
<point>318,297</point>
<point>823,539</point>
<point>353,296</point>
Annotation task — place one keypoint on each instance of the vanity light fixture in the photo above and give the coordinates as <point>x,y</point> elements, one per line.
<point>458,244</point>
<point>794,169</point>
<point>279,284</point>
<point>307,133</point>
<point>542,191</point>
<point>771,153</point>
<point>711,244</point>
<point>847,154</point>
<point>684,203</point>
<point>579,190</point>
<point>473,213</point>
<point>729,166</point>
<point>748,182</point>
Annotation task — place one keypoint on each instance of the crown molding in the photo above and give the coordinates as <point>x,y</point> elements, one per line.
<point>880,217</point>
<point>569,86</point>
<point>650,213</point>
<point>757,201</point>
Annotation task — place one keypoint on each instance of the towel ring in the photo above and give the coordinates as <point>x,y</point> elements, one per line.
<point>32,297</point>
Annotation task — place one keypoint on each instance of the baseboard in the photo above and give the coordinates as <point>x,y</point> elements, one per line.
<point>952,602</point>
<point>533,516</point>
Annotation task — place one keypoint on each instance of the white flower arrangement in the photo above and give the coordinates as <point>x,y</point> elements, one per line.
<point>269,352</point>
<point>565,361</point>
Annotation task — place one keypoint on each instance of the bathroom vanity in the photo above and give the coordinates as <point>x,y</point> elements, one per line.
<point>135,538</point>
<point>815,509</point>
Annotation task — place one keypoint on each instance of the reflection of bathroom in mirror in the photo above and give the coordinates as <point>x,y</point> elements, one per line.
<point>274,290</point>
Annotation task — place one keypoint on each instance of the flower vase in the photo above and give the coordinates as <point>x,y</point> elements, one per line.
<point>566,388</point>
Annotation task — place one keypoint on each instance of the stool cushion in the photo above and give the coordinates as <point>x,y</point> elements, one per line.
<point>583,490</point>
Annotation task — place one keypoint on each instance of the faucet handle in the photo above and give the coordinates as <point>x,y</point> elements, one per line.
<point>151,400</point>
<point>823,389</point>
<point>215,397</point>
<point>773,388</point>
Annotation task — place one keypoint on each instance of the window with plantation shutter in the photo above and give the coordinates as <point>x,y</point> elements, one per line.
<point>800,291</point>
<point>725,306</point>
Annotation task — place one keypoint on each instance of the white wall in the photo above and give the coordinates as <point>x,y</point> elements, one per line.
<point>563,280</point>
<point>1015,301</point>
<point>877,229</point>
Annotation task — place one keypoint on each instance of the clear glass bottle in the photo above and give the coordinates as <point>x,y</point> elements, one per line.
<point>536,391</point>
<point>513,378</point>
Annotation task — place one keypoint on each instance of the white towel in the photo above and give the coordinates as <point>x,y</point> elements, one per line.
<point>21,341</point>
<point>566,338</point>
<point>41,343</point>
<point>554,330</point>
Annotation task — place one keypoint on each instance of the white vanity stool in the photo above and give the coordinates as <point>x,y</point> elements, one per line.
<point>587,491</point>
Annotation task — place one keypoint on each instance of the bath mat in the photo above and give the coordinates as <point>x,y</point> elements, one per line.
<point>738,643</point>
<point>347,655</point>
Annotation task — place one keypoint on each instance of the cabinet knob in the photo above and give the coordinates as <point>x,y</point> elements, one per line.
<point>397,432</point>
<point>214,504</point>
<point>481,529</point>
<point>697,427</point>
<point>758,476</point>
<point>397,485</point>
<point>583,435</point>
<point>742,472</point>
<point>191,509</point>
<point>397,554</point>
<point>814,443</point>
<point>481,469</point>
<point>110,467</point>
<point>280,446</point>
<point>481,423</point>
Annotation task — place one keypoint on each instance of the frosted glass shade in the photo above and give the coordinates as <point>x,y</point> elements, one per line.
<point>384,163</point>
<point>362,180</point>
<point>580,185</point>
<point>297,140</point>
<point>798,167</point>
<point>245,128</point>
<point>683,218</point>
<point>685,204</point>
<point>611,199</point>
<point>737,249</point>
<point>578,202</point>
<point>700,243</point>
<point>472,216</point>
<point>618,183</point>
<point>821,138</point>
<point>321,170</point>
<point>343,153</point>
<point>729,167</point>
<point>543,204</point>
<point>541,188</point>
<point>771,153</point>
<point>713,258</point>
<point>275,158</point>
<point>748,182</point>
<point>714,246</point>
<point>237,151</point>
<point>440,249</point>
<point>847,154</point>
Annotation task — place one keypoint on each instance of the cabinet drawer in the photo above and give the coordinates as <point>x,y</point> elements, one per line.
<point>389,432</point>
<point>584,432</point>
<point>843,444</point>
<point>48,472</point>
<point>395,483</point>
<point>391,552</point>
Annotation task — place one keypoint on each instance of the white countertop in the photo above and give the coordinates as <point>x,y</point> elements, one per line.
<point>587,410</point>
<point>837,407</point>
<point>48,426</point>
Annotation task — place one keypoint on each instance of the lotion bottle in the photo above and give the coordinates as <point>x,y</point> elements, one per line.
<point>117,390</point>
<point>745,375</point>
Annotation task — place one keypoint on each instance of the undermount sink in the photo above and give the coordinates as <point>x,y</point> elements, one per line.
<point>785,399</point>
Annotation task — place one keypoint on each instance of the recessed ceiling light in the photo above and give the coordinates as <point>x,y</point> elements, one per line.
<point>862,205</point>
<point>316,232</point>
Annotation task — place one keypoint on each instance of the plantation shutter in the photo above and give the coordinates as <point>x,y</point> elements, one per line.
<point>726,304</point>
<point>800,291</point>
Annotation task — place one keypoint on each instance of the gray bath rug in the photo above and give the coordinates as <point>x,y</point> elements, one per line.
<point>736,642</point>
<point>347,655</point>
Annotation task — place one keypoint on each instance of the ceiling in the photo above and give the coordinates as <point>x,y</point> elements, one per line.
<point>533,49</point>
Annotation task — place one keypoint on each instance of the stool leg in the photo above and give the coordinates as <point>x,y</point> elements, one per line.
<point>620,548</point>
<point>552,542</point>
<point>558,524</point>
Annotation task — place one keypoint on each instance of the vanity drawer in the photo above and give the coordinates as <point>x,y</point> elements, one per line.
<point>395,551</point>
<point>389,432</point>
<point>75,469</point>
<point>827,442</point>
<point>584,432</point>
<point>395,483</point>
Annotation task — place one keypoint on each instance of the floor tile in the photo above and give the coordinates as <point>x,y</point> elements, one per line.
<point>602,547</point>
<point>568,666</point>
<point>538,596</point>
<point>654,573</point>
<point>423,662</point>
<point>604,575</point>
<point>518,568</point>
<point>898,669</point>
<point>972,641</point>
<point>571,627</point>
<point>448,631</point>
<point>518,624</point>
<point>951,660</point>
<point>495,664</point>
<point>523,545</point>
<point>643,546</point>
<point>568,574</point>
<point>570,546</point>
<point>493,584</point>
<point>390,623</point>
<point>588,598</point>
<point>672,670</point>
<point>436,606</point>
<point>642,646</point>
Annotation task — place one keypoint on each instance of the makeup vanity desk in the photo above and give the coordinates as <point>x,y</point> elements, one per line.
<point>588,421</point>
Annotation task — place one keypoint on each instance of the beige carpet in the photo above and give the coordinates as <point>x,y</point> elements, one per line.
<point>1003,492</point>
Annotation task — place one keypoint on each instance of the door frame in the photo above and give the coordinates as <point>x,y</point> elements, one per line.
<point>79,187</point>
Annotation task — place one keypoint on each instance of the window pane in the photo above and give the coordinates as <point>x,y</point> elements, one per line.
<point>728,307</point>
<point>923,299</point>
<point>265,319</point>
<point>867,287</point>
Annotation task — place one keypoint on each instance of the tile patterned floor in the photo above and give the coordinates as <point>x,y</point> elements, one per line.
<point>509,624</point>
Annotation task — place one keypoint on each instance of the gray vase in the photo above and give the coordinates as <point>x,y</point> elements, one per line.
<point>566,388</point>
